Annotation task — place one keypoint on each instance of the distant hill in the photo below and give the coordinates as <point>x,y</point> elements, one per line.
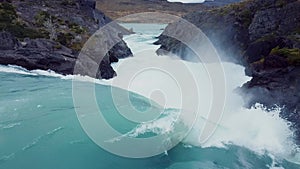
<point>119,8</point>
<point>219,2</point>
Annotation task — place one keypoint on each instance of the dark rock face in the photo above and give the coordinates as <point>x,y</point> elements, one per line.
<point>37,54</point>
<point>234,28</point>
<point>8,42</point>
<point>263,36</point>
<point>221,28</point>
<point>262,47</point>
<point>277,86</point>
<point>88,3</point>
<point>279,19</point>
<point>67,25</point>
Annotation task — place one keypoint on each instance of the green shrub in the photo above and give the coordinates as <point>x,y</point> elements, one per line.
<point>280,3</point>
<point>77,46</point>
<point>68,2</point>
<point>57,46</point>
<point>41,17</point>
<point>246,17</point>
<point>21,31</point>
<point>78,30</point>
<point>7,13</point>
<point>268,38</point>
<point>9,23</point>
<point>74,27</point>
<point>261,61</point>
<point>292,55</point>
<point>65,38</point>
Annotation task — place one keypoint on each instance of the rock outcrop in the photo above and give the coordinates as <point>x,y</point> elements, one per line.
<point>262,35</point>
<point>49,34</point>
<point>36,54</point>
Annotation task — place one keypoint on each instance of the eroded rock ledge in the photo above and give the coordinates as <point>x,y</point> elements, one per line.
<point>49,34</point>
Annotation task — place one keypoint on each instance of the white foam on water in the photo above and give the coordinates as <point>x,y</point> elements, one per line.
<point>14,69</point>
<point>9,126</point>
<point>163,125</point>
<point>20,70</point>
<point>255,128</point>
<point>42,137</point>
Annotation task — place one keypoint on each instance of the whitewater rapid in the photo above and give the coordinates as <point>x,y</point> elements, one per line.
<point>255,129</point>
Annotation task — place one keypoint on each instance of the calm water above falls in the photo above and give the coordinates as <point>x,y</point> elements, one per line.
<point>39,126</point>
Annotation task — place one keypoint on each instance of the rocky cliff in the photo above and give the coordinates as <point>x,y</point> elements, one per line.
<point>49,34</point>
<point>262,35</point>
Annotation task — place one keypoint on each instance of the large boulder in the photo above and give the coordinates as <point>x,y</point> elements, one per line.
<point>63,27</point>
<point>38,54</point>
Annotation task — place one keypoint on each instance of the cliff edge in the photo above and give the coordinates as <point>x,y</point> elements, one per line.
<point>49,34</point>
<point>262,35</point>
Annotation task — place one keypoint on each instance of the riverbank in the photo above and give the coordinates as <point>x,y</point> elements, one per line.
<point>49,34</point>
<point>263,37</point>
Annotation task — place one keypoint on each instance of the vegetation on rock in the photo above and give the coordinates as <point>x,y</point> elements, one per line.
<point>52,33</point>
<point>262,35</point>
<point>62,31</point>
<point>11,22</point>
<point>292,55</point>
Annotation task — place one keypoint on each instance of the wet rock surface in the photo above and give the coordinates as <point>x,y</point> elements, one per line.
<point>263,36</point>
<point>49,35</point>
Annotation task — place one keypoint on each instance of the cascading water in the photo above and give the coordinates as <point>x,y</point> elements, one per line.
<point>38,122</point>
